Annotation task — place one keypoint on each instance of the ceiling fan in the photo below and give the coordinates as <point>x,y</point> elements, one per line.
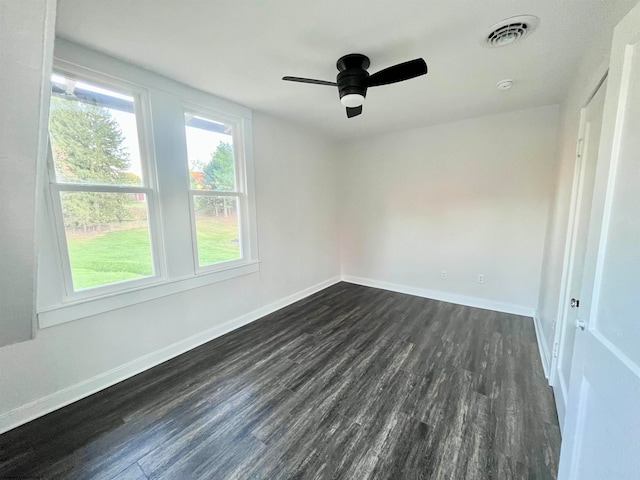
<point>353,79</point>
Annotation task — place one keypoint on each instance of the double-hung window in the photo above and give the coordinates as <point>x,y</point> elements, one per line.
<point>102,187</point>
<point>150,189</point>
<point>216,196</point>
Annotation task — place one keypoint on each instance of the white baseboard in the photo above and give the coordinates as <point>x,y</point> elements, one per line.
<point>442,296</point>
<point>542,345</point>
<point>61,398</point>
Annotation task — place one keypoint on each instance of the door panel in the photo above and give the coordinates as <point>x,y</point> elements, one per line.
<point>618,317</point>
<point>601,438</point>
<point>599,432</point>
<point>611,423</point>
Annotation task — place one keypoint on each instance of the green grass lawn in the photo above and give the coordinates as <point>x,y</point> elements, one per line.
<point>126,254</point>
<point>217,239</point>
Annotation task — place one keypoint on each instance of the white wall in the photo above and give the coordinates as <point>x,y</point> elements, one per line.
<point>298,245</point>
<point>297,222</point>
<point>26,46</point>
<point>468,197</point>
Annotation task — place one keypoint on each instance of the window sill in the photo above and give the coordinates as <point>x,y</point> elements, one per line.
<point>67,312</point>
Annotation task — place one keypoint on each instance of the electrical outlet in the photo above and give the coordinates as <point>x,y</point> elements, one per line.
<point>443,274</point>
<point>480,278</point>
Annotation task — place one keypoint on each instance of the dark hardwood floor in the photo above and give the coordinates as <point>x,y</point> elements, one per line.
<point>351,383</point>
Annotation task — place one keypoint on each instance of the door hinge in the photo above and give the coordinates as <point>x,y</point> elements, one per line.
<point>556,347</point>
<point>580,148</point>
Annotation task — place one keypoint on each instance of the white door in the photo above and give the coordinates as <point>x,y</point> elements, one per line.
<point>601,438</point>
<point>588,145</point>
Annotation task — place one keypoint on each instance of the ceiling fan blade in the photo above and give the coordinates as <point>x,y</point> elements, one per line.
<point>398,73</point>
<point>310,80</point>
<point>352,112</point>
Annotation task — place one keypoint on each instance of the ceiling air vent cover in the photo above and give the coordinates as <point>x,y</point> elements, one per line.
<point>511,30</point>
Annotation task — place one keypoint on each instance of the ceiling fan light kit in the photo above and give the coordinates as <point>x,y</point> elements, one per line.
<point>352,100</point>
<point>353,80</point>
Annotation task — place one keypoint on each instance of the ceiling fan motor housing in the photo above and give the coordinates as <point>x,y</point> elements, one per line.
<point>353,75</point>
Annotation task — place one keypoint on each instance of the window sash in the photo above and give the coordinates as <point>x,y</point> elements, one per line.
<point>242,231</point>
<point>77,187</point>
<point>236,135</point>
<point>142,113</point>
<point>215,193</point>
<point>70,293</point>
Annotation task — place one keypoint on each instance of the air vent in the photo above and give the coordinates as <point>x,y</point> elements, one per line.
<point>511,30</point>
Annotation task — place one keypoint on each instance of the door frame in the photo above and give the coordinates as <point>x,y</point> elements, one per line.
<point>622,382</point>
<point>568,264</point>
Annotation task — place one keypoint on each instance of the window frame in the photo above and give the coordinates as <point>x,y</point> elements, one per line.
<point>240,191</point>
<point>161,133</point>
<point>148,188</point>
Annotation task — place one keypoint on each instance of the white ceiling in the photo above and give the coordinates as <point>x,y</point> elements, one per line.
<point>240,50</point>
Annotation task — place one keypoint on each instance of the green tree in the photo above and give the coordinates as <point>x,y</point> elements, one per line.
<point>218,174</point>
<point>87,146</point>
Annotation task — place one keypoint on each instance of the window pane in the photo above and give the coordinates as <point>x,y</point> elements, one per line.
<point>94,136</point>
<point>217,230</point>
<point>107,237</point>
<point>210,154</point>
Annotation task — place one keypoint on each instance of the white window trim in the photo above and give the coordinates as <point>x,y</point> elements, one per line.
<point>148,187</point>
<point>55,305</point>
<point>56,315</point>
<point>240,192</point>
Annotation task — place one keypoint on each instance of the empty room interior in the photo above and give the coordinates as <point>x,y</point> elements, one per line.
<point>347,240</point>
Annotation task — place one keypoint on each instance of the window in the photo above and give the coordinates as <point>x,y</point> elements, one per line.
<point>214,193</point>
<point>101,191</point>
<point>150,186</point>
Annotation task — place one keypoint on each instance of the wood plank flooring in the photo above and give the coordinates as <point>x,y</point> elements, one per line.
<point>350,383</point>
